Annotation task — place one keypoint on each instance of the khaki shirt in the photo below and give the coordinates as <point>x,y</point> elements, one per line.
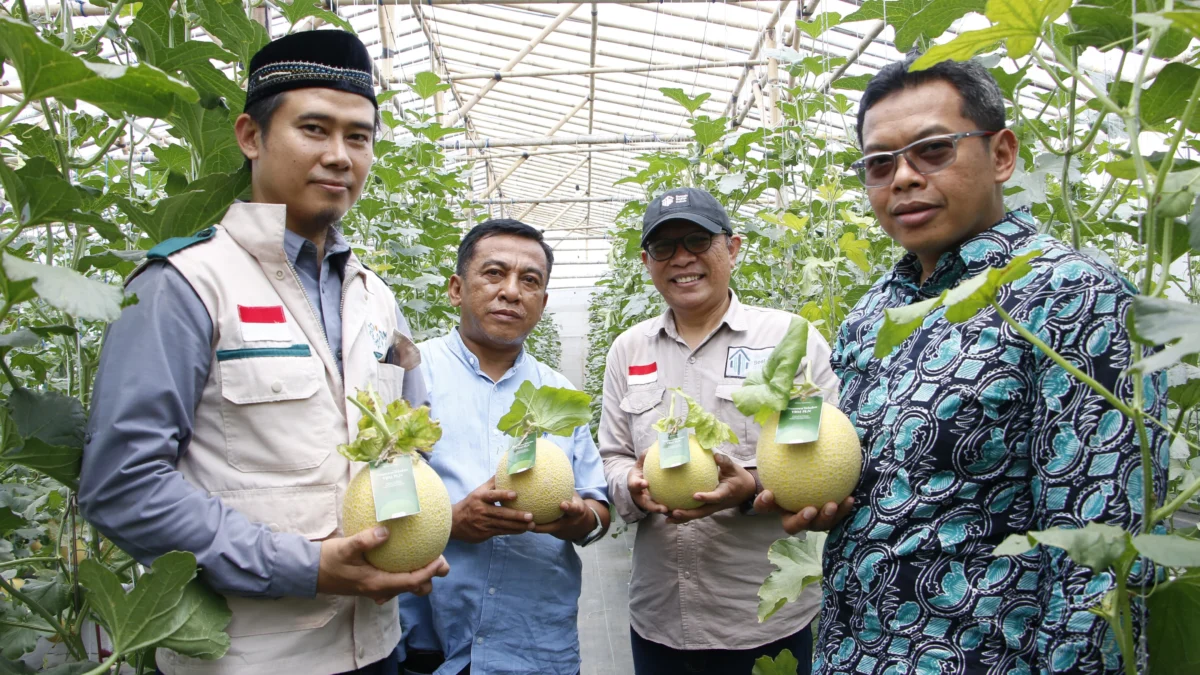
<point>695,586</point>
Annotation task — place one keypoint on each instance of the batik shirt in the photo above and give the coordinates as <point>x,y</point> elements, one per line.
<point>970,434</point>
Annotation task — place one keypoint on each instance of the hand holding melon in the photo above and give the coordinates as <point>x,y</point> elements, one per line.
<point>813,479</point>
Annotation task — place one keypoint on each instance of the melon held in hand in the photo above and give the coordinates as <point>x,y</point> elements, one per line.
<point>674,486</point>
<point>387,435</point>
<point>550,481</point>
<point>799,474</point>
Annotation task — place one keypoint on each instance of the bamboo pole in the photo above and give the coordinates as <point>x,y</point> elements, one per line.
<point>605,70</point>
<point>562,140</point>
<point>762,4</point>
<point>872,33</point>
<point>552,200</point>
<point>521,160</point>
<point>537,39</point>
<point>731,106</point>
<point>568,151</point>
<point>592,111</point>
<point>566,176</point>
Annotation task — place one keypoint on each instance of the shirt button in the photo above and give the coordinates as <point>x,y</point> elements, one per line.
<point>278,274</point>
<point>277,387</point>
<point>687,575</point>
<point>691,359</point>
<point>491,591</point>
<point>479,640</point>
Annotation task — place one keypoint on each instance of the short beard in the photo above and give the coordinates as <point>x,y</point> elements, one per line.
<point>322,221</point>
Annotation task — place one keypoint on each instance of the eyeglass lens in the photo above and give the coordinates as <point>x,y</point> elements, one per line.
<point>927,156</point>
<point>695,242</point>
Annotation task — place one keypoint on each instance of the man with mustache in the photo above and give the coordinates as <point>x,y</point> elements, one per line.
<point>220,397</point>
<point>510,603</point>
<point>693,598</point>
<point>971,433</point>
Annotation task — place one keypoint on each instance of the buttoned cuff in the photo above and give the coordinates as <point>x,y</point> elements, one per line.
<point>297,561</point>
<point>597,494</point>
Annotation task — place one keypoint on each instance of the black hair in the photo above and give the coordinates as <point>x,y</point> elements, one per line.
<point>493,227</point>
<point>983,102</point>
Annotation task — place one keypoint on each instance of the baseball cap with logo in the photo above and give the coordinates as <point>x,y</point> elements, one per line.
<point>690,204</point>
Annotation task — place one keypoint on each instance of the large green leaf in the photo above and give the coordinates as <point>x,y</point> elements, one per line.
<point>1096,546</point>
<point>299,10</point>
<point>708,131</point>
<point>426,84</point>
<point>47,71</point>
<point>227,21</point>
<point>916,19</point>
<point>797,564</point>
<point>202,635</point>
<point>1165,99</point>
<point>546,409</point>
<point>1164,321</point>
<point>210,135</point>
<point>49,416</point>
<point>9,520</point>
<point>67,289</point>
<point>784,664</point>
<point>183,215</point>
<point>1107,23</point>
<point>59,462</point>
<point>768,390</point>
<point>153,611</point>
<point>691,104</point>
<point>1174,632</point>
<point>1018,22</point>
<point>39,194</point>
<point>1169,549</point>
<point>1186,19</point>
<point>900,322</point>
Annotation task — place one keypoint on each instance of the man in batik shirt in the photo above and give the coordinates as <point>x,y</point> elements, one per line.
<point>969,433</point>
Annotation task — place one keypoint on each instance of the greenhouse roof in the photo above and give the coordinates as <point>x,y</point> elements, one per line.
<point>559,100</point>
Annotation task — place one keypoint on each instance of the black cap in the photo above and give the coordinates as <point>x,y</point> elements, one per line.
<point>690,204</point>
<point>329,59</point>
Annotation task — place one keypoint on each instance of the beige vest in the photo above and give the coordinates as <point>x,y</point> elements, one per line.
<point>267,427</point>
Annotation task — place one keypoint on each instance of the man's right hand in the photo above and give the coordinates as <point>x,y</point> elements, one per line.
<point>639,489</point>
<point>345,571</point>
<point>477,518</point>
<point>809,517</point>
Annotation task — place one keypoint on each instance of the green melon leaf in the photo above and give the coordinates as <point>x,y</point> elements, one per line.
<point>227,21</point>
<point>1164,321</point>
<point>783,664</point>
<point>1017,22</point>
<point>546,409</point>
<point>708,131</point>
<point>916,19</point>
<point>689,103</point>
<point>768,390</point>
<point>1169,549</point>
<point>1096,546</point>
<point>67,289</point>
<point>205,203</point>
<point>299,10</point>
<point>426,84</point>
<point>202,634</point>
<point>797,564</point>
<point>152,612</point>
<point>1174,633</point>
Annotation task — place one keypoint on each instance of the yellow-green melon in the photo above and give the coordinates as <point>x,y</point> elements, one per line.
<point>674,487</point>
<point>541,489</point>
<point>811,474</point>
<point>416,540</point>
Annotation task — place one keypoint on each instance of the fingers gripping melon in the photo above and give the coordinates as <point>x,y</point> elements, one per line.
<point>674,487</point>
<point>416,540</point>
<point>542,488</point>
<point>811,474</point>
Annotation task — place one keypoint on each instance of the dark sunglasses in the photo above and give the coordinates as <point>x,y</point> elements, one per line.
<point>694,242</point>
<point>926,156</point>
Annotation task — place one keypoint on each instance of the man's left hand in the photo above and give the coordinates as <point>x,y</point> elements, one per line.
<point>576,523</point>
<point>735,485</point>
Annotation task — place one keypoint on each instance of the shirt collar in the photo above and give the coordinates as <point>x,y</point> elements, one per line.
<point>991,248</point>
<point>468,358</point>
<point>735,318</point>
<point>337,249</point>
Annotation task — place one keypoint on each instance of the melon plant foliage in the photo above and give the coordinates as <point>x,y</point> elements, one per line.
<point>1088,171</point>
<point>78,213</point>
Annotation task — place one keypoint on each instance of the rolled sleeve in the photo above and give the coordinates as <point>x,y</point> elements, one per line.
<point>616,439</point>
<point>152,371</point>
<point>589,470</point>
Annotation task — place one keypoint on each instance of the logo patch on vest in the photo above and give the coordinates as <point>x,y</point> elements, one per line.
<point>264,324</point>
<point>739,361</point>
<point>379,338</point>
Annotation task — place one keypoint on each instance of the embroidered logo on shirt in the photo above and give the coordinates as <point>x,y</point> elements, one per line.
<point>264,324</point>
<point>643,374</point>
<point>379,338</point>
<point>739,361</point>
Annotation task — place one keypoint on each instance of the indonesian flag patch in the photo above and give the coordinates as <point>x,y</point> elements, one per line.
<point>643,374</point>
<point>264,324</point>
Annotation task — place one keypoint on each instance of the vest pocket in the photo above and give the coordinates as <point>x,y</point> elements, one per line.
<point>265,397</point>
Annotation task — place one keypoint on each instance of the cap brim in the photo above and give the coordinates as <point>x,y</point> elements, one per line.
<point>707,223</point>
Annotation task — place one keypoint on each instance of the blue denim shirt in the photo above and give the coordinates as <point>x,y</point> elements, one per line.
<point>509,605</point>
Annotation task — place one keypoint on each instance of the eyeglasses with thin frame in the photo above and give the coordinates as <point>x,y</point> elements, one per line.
<point>693,242</point>
<point>926,156</point>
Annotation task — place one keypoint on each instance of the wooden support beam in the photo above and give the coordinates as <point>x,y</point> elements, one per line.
<point>537,39</point>
<point>731,106</point>
<point>562,140</point>
<point>567,175</point>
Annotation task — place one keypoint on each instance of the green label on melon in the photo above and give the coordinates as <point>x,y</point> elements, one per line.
<point>673,449</point>
<point>800,422</point>
<point>522,454</point>
<point>395,489</point>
